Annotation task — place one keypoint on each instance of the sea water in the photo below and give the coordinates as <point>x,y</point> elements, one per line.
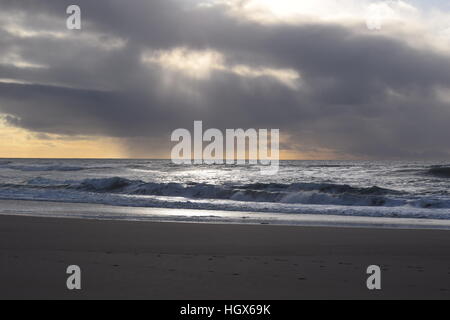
<point>380,189</point>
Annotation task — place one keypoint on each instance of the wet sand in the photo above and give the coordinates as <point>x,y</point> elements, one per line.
<point>149,260</point>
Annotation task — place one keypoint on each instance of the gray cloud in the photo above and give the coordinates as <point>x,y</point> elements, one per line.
<point>361,94</point>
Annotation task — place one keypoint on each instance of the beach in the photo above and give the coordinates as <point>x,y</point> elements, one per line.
<point>154,260</point>
<point>227,150</point>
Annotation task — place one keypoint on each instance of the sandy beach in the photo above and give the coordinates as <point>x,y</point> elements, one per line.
<point>148,260</point>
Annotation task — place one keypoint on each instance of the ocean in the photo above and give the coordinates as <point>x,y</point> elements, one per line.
<point>350,189</point>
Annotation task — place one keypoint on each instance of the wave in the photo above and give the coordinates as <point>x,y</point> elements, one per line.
<point>269,193</point>
<point>49,183</point>
<point>294,198</point>
<point>441,172</point>
<point>321,187</point>
<point>297,193</point>
<point>46,168</point>
<point>113,199</point>
<point>41,168</point>
<point>330,166</point>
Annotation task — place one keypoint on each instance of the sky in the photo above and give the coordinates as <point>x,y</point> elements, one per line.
<point>341,79</point>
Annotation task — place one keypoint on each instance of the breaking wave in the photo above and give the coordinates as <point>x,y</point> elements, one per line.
<point>441,172</point>
<point>404,189</point>
<point>296,193</point>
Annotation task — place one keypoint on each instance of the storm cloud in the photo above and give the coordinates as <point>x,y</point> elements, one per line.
<point>140,69</point>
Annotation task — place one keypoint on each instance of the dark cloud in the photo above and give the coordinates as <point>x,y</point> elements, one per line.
<point>361,94</point>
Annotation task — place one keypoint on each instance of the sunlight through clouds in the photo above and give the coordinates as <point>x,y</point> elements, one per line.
<point>320,71</point>
<point>200,64</point>
<point>14,59</point>
<point>17,26</point>
<point>288,11</point>
<point>347,12</point>
<point>401,19</point>
<point>195,64</point>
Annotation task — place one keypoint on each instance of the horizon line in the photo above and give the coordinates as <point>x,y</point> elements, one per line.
<point>168,159</point>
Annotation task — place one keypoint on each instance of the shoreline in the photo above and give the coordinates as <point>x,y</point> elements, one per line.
<point>102,212</point>
<point>134,260</point>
